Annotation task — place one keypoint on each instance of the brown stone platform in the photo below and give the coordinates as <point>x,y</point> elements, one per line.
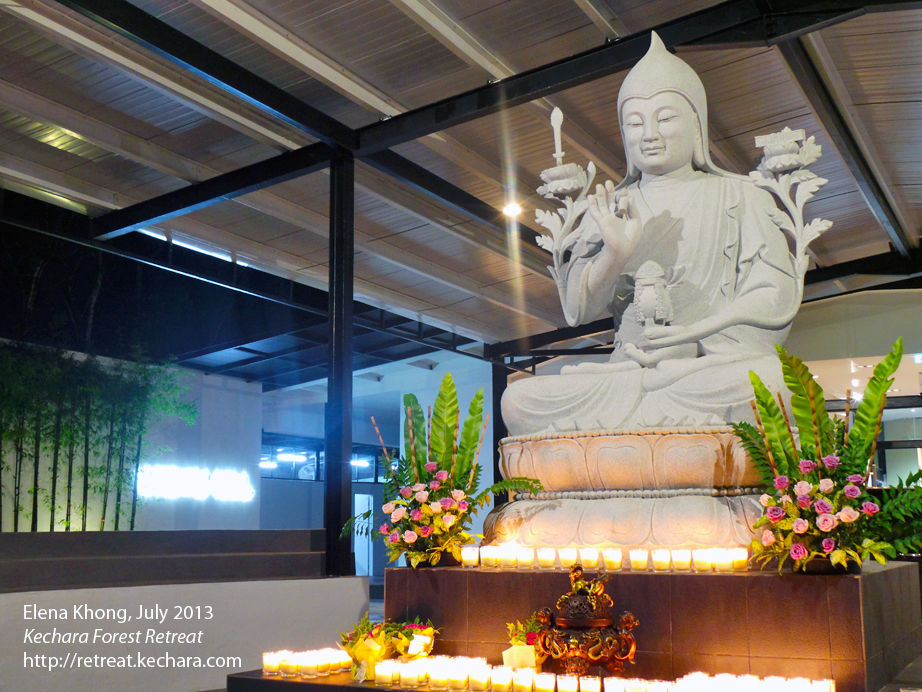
<point>859,630</point>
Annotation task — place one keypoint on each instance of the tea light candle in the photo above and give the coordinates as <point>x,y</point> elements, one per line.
<point>740,559</point>
<point>613,684</point>
<point>507,554</point>
<point>589,558</point>
<point>489,556</point>
<point>546,558</point>
<point>612,558</point>
<point>323,662</point>
<point>501,679</point>
<point>567,557</point>
<point>661,560</point>
<point>438,675</point>
<point>384,673</point>
<point>590,683</point>
<point>635,685</point>
<point>639,559</point>
<point>523,679</point>
<point>409,675</point>
<point>681,560</point>
<point>271,661</point>
<point>703,560</point>
<point>457,675</point>
<point>567,683</point>
<point>723,559</point>
<point>545,682</point>
<point>525,557</point>
<point>479,678</point>
<point>470,556</point>
<point>288,664</point>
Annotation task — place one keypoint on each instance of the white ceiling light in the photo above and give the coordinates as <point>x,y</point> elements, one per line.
<point>512,209</point>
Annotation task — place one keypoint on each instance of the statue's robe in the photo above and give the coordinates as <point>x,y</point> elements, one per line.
<point>717,242</point>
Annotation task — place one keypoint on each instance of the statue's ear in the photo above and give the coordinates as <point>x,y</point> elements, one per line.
<point>699,159</point>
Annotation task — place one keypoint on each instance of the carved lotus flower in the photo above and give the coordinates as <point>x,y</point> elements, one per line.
<point>562,180</point>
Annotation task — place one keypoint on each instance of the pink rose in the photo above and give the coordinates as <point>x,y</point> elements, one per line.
<point>447,503</point>
<point>869,508</point>
<point>431,467</point>
<point>388,508</point>
<point>802,488</point>
<point>848,515</point>
<point>803,501</point>
<point>806,466</point>
<point>531,638</point>
<point>785,499</point>
<point>831,462</point>
<point>406,492</point>
<point>458,495</point>
<point>767,538</point>
<point>385,528</point>
<point>394,538</point>
<point>425,531</point>
<point>436,507</point>
<point>829,544</point>
<point>434,485</point>
<point>855,478</point>
<point>448,520</point>
<point>422,496</point>
<point>775,514</point>
<point>798,551</point>
<point>416,514</point>
<point>826,485</point>
<point>827,522</point>
<point>442,476</point>
<point>852,491</point>
<point>801,526</point>
<point>398,514</point>
<point>410,536</point>
<point>782,482</point>
<point>765,499</point>
<point>418,487</point>
<point>462,506</point>
<point>822,506</point>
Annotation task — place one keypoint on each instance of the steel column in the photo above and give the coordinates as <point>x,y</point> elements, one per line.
<point>337,506</point>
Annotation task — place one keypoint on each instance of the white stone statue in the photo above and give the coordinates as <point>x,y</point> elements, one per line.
<point>693,263</point>
<point>733,286</point>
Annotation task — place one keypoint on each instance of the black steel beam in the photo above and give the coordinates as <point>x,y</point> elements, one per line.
<point>256,176</point>
<point>159,37</point>
<point>911,401</point>
<point>814,89</point>
<point>889,263</point>
<point>337,506</point>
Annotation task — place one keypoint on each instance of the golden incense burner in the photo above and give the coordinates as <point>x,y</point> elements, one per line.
<point>584,633</point>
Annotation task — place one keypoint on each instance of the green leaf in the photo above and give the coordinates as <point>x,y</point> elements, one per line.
<point>752,442</point>
<point>838,557</point>
<point>785,524</point>
<point>808,403</point>
<point>470,437</point>
<point>444,420</point>
<point>776,430</point>
<point>864,430</point>
<point>418,445</point>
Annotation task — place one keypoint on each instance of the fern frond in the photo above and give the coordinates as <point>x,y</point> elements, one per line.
<point>754,445</point>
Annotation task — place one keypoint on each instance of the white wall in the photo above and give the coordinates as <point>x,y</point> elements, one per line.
<point>248,618</point>
<point>227,434</point>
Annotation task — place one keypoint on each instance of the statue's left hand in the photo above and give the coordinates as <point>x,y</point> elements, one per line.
<point>671,335</point>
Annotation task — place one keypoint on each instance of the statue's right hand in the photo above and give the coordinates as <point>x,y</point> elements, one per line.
<point>616,215</point>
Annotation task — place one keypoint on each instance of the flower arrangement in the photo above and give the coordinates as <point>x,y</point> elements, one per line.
<point>524,633</point>
<point>370,643</point>
<point>816,504</point>
<point>432,494</point>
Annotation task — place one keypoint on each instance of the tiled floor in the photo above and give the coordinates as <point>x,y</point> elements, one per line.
<point>909,680</point>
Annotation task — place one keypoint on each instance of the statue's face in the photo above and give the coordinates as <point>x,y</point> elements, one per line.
<point>660,132</point>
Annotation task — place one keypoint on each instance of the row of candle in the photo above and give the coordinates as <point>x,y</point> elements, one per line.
<point>511,555</point>
<point>305,664</point>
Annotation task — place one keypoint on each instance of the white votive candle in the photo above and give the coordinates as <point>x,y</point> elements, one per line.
<point>661,560</point>
<point>567,683</point>
<point>639,559</point>
<point>612,558</point>
<point>470,556</point>
<point>501,679</point>
<point>547,557</point>
<point>271,661</point>
<point>489,556</point>
<point>384,673</point>
<point>525,558</point>
<point>590,683</point>
<point>457,675</point>
<point>479,678</point>
<point>323,661</point>
<point>613,684</point>
<point>589,558</point>
<point>723,559</point>
<point>507,554</point>
<point>567,557</point>
<point>288,663</point>
<point>523,679</point>
<point>545,682</point>
<point>740,559</point>
<point>409,675</point>
<point>703,560</point>
<point>681,560</point>
<point>438,674</point>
